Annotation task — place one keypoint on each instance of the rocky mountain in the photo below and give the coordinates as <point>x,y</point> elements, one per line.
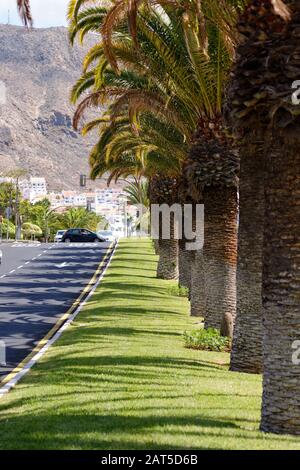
<point>37,71</point>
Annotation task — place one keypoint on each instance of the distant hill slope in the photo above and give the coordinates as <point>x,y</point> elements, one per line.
<point>39,68</point>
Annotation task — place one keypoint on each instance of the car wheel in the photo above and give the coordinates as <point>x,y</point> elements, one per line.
<point>68,240</point>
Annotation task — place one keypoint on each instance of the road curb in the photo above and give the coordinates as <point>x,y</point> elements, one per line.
<point>62,324</point>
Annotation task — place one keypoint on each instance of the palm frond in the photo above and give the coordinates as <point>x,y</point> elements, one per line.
<point>113,17</point>
<point>95,99</point>
<point>137,192</point>
<point>89,20</point>
<point>25,12</point>
<point>137,101</point>
<point>85,82</point>
<point>281,9</point>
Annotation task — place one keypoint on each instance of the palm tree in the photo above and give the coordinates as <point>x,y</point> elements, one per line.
<point>281,257</point>
<point>167,139</point>
<point>276,52</point>
<point>137,193</point>
<point>184,88</point>
<point>246,100</point>
<point>213,171</point>
<point>79,217</point>
<point>219,189</point>
<point>120,155</point>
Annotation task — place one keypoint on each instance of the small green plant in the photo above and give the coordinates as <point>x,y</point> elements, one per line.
<point>179,291</point>
<point>208,340</point>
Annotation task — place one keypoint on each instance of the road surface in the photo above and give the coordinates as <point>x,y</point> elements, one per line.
<point>38,284</point>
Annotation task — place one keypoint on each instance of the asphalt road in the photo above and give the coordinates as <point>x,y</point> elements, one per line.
<point>38,284</point>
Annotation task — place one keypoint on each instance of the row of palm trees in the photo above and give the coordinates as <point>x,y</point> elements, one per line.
<point>160,96</point>
<point>195,95</point>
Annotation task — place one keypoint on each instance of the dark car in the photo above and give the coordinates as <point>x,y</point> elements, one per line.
<point>81,235</point>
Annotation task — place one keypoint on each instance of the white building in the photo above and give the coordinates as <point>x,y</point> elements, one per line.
<point>37,189</point>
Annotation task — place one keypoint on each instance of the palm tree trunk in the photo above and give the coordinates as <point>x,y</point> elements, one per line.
<point>220,257</point>
<point>197,292</point>
<point>185,256</point>
<point>281,292</point>
<point>184,263</point>
<point>168,255</point>
<point>156,246</point>
<point>155,242</point>
<point>194,267</point>
<point>246,353</point>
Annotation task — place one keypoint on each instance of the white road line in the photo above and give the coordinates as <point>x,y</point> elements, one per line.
<point>62,265</point>
<point>22,266</point>
<point>12,383</point>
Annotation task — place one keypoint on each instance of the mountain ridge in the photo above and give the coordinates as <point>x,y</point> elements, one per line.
<point>37,70</point>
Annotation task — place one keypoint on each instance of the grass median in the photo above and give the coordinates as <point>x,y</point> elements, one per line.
<point>120,377</point>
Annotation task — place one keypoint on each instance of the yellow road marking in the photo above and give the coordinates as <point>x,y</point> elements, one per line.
<point>59,322</point>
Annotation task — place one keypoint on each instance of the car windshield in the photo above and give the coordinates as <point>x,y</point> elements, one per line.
<point>60,232</point>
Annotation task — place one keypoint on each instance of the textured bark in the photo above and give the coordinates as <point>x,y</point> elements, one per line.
<point>281,292</point>
<point>168,255</point>
<point>246,352</point>
<point>197,293</point>
<point>196,273</point>
<point>185,257</point>
<point>164,190</point>
<point>220,257</point>
<point>154,241</point>
<point>156,246</point>
<point>168,259</point>
<point>184,264</point>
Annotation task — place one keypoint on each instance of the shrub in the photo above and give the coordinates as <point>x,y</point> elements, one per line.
<point>7,227</point>
<point>29,230</point>
<point>208,340</point>
<point>178,291</point>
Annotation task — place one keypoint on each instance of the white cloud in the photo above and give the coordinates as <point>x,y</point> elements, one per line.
<point>45,12</point>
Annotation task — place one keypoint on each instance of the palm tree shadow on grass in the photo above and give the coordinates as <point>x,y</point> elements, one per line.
<point>104,431</point>
<point>68,431</point>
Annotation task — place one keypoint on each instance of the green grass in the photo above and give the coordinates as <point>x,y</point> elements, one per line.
<point>120,377</point>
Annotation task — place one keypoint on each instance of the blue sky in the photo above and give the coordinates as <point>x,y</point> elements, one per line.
<point>45,12</point>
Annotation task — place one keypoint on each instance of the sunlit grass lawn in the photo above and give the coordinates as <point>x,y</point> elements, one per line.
<point>120,377</point>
